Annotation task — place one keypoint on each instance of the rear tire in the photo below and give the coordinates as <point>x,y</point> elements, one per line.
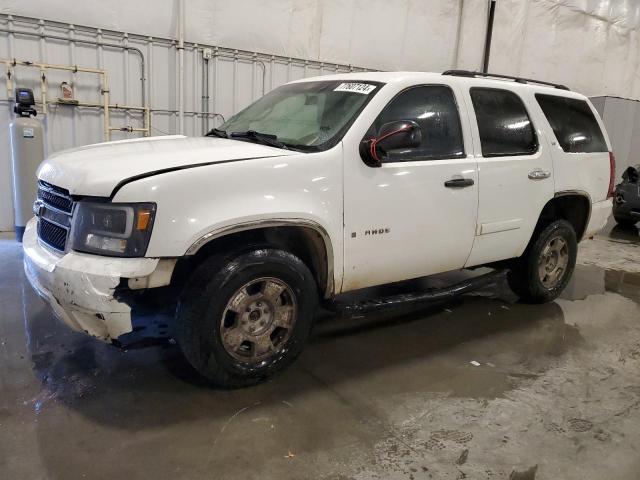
<point>625,221</point>
<point>544,270</point>
<point>244,317</point>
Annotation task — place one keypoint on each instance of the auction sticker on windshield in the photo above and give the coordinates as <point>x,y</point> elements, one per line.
<point>354,87</point>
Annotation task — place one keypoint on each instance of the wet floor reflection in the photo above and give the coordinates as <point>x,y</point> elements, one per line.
<point>625,234</point>
<point>432,347</point>
<point>85,405</point>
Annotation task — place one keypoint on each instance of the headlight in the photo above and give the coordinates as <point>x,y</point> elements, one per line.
<point>118,229</point>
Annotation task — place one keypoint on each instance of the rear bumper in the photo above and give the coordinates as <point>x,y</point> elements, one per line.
<point>80,288</point>
<point>627,210</point>
<point>600,213</point>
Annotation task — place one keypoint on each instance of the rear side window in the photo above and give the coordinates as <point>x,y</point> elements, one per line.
<point>504,125</point>
<point>573,123</point>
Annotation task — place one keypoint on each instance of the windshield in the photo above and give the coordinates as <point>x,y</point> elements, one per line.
<point>306,115</point>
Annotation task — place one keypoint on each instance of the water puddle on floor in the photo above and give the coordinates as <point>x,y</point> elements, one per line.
<point>593,280</point>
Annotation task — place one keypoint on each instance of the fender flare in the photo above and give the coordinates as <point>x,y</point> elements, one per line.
<point>274,222</point>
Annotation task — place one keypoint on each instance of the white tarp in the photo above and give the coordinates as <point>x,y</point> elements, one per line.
<point>591,45</point>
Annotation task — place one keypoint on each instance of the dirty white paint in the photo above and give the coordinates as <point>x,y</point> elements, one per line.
<point>79,288</point>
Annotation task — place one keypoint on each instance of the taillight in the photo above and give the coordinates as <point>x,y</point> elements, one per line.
<point>612,174</point>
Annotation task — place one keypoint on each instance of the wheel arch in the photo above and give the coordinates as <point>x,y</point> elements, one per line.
<point>305,238</point>
<point>573,206</point>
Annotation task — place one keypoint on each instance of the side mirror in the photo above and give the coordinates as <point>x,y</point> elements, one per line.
<point>391,136</point>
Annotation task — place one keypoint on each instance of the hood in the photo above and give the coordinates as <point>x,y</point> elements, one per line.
<point>97,169</point>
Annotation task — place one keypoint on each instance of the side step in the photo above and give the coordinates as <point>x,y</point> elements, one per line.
<point>411,299</point>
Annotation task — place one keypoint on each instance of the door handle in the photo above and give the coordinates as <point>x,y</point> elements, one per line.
<point>539,174</point>
<point>459,183</point>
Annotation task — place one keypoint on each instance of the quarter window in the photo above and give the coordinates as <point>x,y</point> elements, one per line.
<point>504,125</point>
<point>434,108</point>
<point>573,123</point>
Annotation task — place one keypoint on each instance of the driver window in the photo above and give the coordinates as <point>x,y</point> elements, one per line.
<point>434,109</point>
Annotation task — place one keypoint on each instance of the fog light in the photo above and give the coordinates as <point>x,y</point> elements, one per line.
<point>110,244</point>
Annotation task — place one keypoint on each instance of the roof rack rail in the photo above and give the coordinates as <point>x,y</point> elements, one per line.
<point>468,73</point>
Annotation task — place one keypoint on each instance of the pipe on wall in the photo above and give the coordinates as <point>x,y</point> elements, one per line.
<point>181,23</point>
<point>99,44</point>
<point>487,40</point>
<point>456,52</point>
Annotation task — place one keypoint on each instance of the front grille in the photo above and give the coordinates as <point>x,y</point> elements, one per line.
<point>55,197</point>
<point>52,234</point>
<point>53,209</point>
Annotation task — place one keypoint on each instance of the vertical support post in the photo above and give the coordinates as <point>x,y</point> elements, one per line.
<point>10,38</point>
<point>216,79</point>
<point>253,76</point>
<point>181,24</point>
<point>43,90</point>
<point>150,92</point>
<point>234,82</point>
<point>487,40</point>
<point>147,121</point>
<point>456,52</point>
<point>74,112</point>
<point>42,50</point>
<point>194,93</point>
<point>271,67</point>
<point>105,99</point>
<point>105,95</point>
<point>125,55</point>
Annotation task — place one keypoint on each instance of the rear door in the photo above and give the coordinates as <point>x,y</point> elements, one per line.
<point>515,171</point>
<point>578,145</point>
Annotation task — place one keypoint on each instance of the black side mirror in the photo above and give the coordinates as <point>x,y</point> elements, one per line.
<point>391,136</point>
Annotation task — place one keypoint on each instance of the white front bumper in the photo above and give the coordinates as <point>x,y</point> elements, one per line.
<point>80,287</point>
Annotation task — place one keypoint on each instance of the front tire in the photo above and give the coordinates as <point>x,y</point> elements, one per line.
<point>245,317</point>
<point>544,270</point>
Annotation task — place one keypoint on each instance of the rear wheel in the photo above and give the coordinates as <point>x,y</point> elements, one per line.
<point>625,221</point>
<point>545,269</point>
<point>244,317</point>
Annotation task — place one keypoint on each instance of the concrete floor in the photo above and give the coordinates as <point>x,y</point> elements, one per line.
<point>556,394</point>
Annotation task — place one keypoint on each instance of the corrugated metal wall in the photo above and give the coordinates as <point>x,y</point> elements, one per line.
<point>142,72</point>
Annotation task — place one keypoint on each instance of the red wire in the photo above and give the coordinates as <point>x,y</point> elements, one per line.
<point>375,141</point>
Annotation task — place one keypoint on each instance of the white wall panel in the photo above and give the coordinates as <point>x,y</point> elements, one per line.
<point>236,78</point>
<point>590,45</point>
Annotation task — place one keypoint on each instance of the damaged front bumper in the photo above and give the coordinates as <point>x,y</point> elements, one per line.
<point>81,288</point>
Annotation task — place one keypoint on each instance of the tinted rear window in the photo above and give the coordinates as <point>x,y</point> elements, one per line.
<point>573,123</point>
<point>504,125</point>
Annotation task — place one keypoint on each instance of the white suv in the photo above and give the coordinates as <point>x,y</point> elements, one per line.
<point>323,186</point>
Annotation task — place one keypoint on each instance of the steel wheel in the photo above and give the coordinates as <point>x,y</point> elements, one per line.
<point>553,262</point>
<point>258,320</point>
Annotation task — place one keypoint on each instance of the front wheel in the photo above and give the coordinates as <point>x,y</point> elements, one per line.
<point>244,317</point>
<point>543,272</point>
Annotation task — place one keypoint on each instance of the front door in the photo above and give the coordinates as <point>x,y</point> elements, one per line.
<point>416,214</point>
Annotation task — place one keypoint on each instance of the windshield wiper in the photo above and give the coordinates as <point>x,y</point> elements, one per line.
<point>216,132</point>
<point>263,138</point>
